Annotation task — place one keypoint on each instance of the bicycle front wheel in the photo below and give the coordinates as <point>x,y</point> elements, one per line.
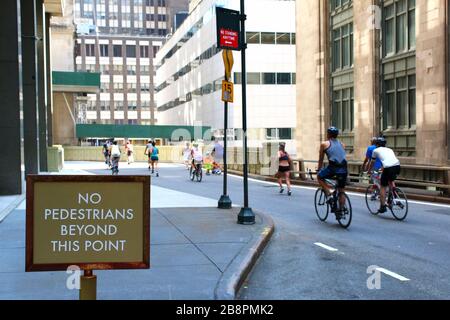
<point>373,199</point>
<point>346,213</point>
<point>321,205</point>
<point>191,174</point>
<point>399,205</point>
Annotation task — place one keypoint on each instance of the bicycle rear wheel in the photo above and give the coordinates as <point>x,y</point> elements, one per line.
<point>199,174</point>
<point>346,214</point>
<point>373,203</point>
<point>399,205</point>
<point>321,205</point>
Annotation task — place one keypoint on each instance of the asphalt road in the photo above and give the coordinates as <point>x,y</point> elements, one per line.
<point>309,259</point>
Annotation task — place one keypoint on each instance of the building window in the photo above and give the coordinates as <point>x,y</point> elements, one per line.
<point>131,51</point>
<point>118,105</point>
<point>253,78</point>
<point>342,113</point>
<point>283,38</point>
<point>117,50</point>
<point>399,27</point>
<point>104,50</point>
<point>117,69</point>
<point>132,87</point>
<point>90,50</point>
<point>253,37</point>
<point>267,37</point>
<point>337,4</point>
<point>144,51</point>
<point>132,105</point>
<point>279,134</point>
<point>400,103</point>
<point>131,70</point>
<point>268,78</point>
<point>342,49</point>
<point>118,87</point>
<point>283,78</point>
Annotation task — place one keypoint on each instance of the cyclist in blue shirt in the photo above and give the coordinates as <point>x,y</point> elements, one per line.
<point>378,165</point>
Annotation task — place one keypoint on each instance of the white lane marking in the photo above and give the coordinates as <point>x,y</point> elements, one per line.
<point>349,193</point>
<point>324,246</point>
<point>392,274</point>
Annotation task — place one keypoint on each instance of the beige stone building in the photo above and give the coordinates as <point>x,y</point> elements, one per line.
<point>375,67</point>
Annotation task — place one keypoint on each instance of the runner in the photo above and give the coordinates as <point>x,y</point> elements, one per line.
<point>284,169</point>
<point>130,151</point>
<point>148,152</point>
<point>154,158</point>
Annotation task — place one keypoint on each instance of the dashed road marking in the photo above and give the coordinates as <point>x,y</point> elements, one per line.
<point>324,246</point>
<point>392,274</point>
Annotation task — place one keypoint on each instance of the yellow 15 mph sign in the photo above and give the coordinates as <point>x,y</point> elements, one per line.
<point>227,91</point>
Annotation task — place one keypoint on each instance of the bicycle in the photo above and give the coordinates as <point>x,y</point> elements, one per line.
<point>396,199</point>
<point>324,206</point>
<point>197,172</point>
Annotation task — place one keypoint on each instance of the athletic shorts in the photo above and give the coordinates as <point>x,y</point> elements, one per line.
<point>389,175</point>
<point>334,172</point>
<point>282,169</point>
<point>153,158</point>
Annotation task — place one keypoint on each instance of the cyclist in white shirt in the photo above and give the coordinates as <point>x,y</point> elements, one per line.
<point>196,155</point>
<point>391,169</point>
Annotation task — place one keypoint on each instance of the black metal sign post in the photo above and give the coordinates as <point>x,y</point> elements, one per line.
<point>246,215</point>
<point>225,201</point>
<point>231,36</point>
<point>228,33</point>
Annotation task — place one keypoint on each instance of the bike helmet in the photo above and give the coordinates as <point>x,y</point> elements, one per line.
<point>333,131</point>
<point>381,142</point>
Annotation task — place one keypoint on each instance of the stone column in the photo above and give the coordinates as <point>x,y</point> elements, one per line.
<point>366,44</point>
<point>10,104</point>
<point>312,83</point>
<point>431,82</point>
<point>29,82</point>
<point>41,84</point>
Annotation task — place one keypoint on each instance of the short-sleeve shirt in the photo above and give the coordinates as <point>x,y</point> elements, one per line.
<point>149,149</point>
<point>386,156</point>
<point>378,165</point>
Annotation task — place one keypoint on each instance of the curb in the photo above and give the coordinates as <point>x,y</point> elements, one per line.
<point>411,196</point>
<point>10,208</point>
<point>235,274</point>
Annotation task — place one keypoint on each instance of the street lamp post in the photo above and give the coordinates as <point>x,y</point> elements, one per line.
<point>246,215</point>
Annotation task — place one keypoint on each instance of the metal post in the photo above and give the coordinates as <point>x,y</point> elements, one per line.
<point>246,215</point>
<point>225,201</point>
<point>88,286</point>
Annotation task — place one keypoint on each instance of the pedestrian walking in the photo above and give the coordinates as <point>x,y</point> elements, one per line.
<point>284,168</point>
<point>187,155</point>
<point>130,151</point>
<point>218,152</point>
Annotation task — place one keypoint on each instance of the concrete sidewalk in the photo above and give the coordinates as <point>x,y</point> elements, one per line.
<point>197,253</point>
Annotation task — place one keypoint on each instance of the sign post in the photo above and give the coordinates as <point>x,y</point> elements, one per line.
<point>231,36</point>
<point>83,222</point>
<point>227,96</point>
<point>228,39</point>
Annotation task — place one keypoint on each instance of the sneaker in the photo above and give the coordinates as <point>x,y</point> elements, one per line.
<point>289,193</point>
<point>382,209</point>
<point>281,190</point>
<point>157,174</point>
<point>373,197</point>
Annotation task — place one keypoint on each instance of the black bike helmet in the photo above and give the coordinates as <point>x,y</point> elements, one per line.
<point>333,131</point>
<point>381,142</point>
